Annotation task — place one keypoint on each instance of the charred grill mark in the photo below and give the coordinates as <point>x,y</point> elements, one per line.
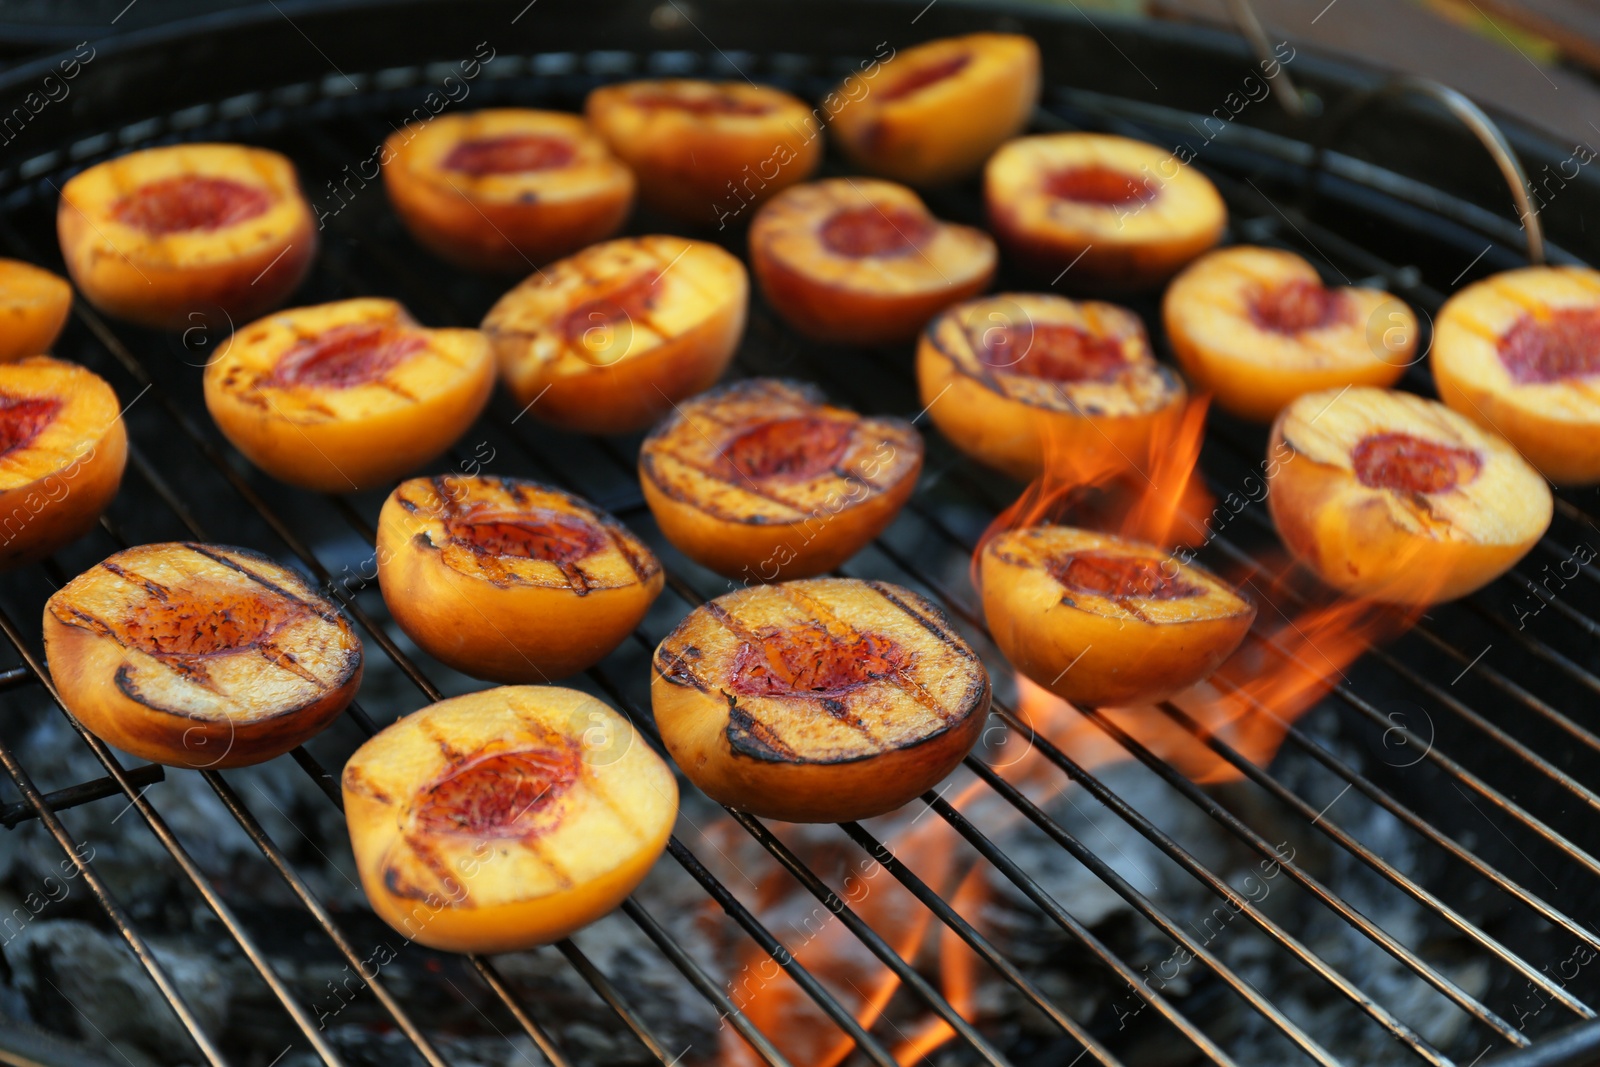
<point>358,781</point>
<point>155,589</point>
<point>744,484</point>
<point>674,669</point>
<point>644,567</point>
<point>749,736</point>
<point>421,846</point>
<point>89,622</point>
<point>285,660</point>
<point>939,626</point>
<point>576,578</point>
<point>452,754</point>
<point>321,609</point>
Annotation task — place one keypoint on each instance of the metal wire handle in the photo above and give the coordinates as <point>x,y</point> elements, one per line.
<point>1470,114</point>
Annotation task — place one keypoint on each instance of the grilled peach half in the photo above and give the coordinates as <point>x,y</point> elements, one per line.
<point>346,396</point>
<point>933,113</point>
<point>823,700</point>
<point>1519,353</point>
<point>33,308</point>
<point>1386,495</point>
<point>1256,328</point>
<point>863,261</point>
<point>199,655</point>
<point>1097,212</point>
<point>159,235</point>
<point>705,151</point>
<point>1011,376</point>
<point>764,479</point>
<point>506,189</point>
<point>606,341</point>
<point>1103,621</point>
<point>505,819</point>
<point>62,450</point>
<point>508,579</point>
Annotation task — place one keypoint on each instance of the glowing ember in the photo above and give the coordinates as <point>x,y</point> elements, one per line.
<point>1408,464</point>
<point>346,356</point>
<point>859,232</point>
<point>789,449</point>
<point>1564,344</point>
<point>1296,306</point>
<point>189,202</point>
<point>513,153</point>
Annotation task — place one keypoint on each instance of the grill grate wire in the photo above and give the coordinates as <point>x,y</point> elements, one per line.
<point>388,268</point>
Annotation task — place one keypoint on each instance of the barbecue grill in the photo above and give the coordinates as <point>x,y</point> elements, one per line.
<point>1474,735</point>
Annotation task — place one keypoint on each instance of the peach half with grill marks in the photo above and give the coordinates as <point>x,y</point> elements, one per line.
<point>62,450</point>
<point>863,261</point>
<point>506,189</point>
<point>161,234</point>
<point>824,700</point>
<point>933,113</point>
<point>1097,212</point>
<point>764,479</point>
<point>1393,497</point>
<point>1256,328</point>
<point>1104,621</point>
<point>706,150</point>
<point>510,580</point>
<point>199,655</point>
<point>33,308</point>
<point>606,341</point>
<point>1011,377</point>
<point>506,819</point>
<point>1519,353</point>
<point>346,396</point>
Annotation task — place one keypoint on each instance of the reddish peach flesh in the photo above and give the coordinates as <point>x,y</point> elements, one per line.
<point>514,153</point>
<point>621,304</point>
<point>1408,464</point>
<point>189,202</point>
<point>345,356</point>
<point>917,79</point>
<point>700,105</point>
<point>1096,184</point>
<point>858,232</point>
<point>549,537</point>
<point>186,621</point>
<point>1119,577</point>
<point>799,448</point>
<point>1566,345</point>
<point>22,418</point>
<point>496,795</point>
<point>809,661</point>
<point>1296,306</point>
<point>1056,351</point>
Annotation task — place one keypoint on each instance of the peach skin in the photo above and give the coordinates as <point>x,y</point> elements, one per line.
<point>1103,621</point>
<point>33,308</point>
<point>162,234</point>
<point>1519,353</point>
<point>1256,328</point>
<point>606,341</point>
<point>506,189</point>
<point>1099,213</point>
<point>824,700</point>
<point>1006,376</point>
<point>932,114</point>
<point>202,656</point>
<point>706,150</point>
<point>346,396</point>
<point>507,819</point>
<point>764,479</point>
<point>863,261</point>
<point>62,450</point>
<point>1389,496</point>
<point>510,580</point>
